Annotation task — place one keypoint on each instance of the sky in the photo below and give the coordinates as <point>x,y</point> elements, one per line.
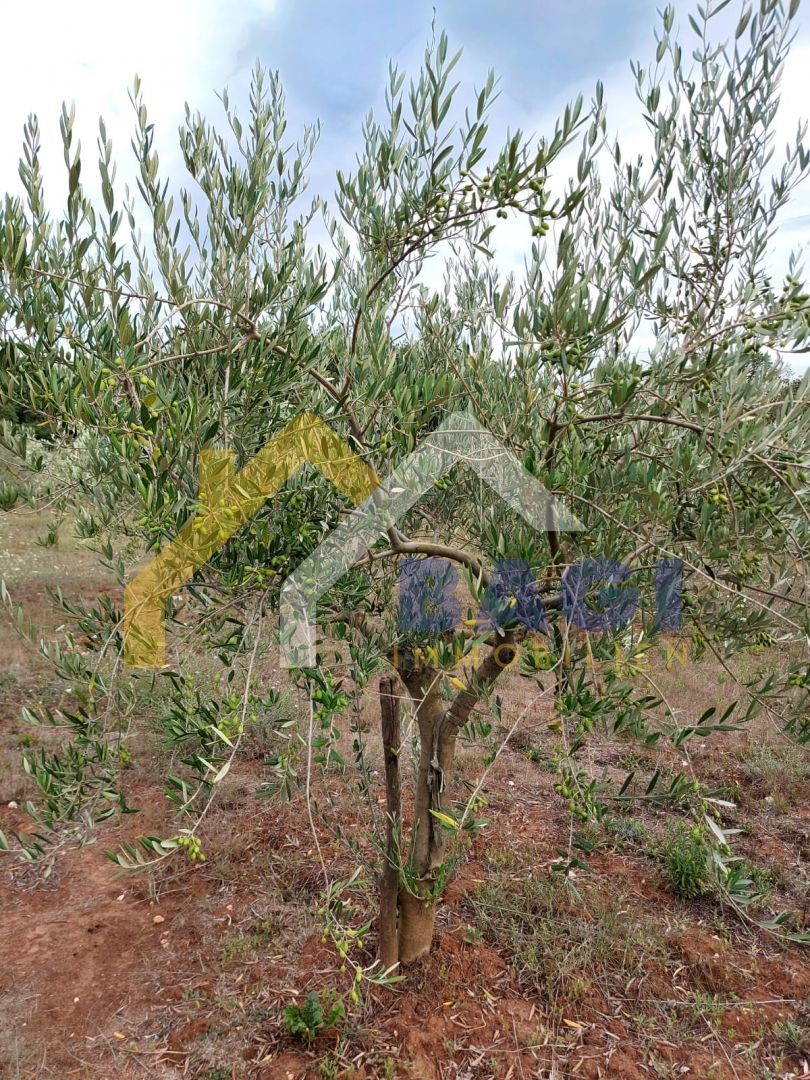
<point>333,57</point>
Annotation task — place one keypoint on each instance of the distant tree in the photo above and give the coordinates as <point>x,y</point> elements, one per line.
<point>225,322</point>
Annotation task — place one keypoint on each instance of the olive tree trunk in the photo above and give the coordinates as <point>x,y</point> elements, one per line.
<point>439,725</point>
<point>389,878</point>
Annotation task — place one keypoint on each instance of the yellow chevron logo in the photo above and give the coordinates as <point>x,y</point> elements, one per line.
<point>227,500</point>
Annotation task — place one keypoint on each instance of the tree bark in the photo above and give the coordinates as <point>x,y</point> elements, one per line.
<point>416,922</point>
<point>438,729</point>
<point>389,879</point>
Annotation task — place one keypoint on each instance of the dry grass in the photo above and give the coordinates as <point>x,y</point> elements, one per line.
<point>781,773</point>
<point>563,941</point>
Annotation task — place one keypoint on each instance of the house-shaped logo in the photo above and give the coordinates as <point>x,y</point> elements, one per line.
<point>228,499</point>
<point>460,439</point>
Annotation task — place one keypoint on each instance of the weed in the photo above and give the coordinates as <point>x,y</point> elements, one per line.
<point>503,858</point>
<point>631,759</point>
<point>793,1038</point>
<point>8,680</point>
<point>629,830</point>
<point>307,1021</point>
<point>241,945</point>
<point>684,854</point>
<point>763,880</point>
<point>706,1005</point>
<point>330,1067</point>
<point>541,758</point>
<point>589,837</point>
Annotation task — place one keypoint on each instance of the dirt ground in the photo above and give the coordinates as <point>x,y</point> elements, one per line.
<point>186,972</point>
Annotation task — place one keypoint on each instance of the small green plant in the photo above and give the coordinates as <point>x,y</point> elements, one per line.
<point>793,1037</point>
<point>51,538</point>
<point>8,496</point>
<point>589,837</point>
<point>684,854</point>
<point>706,1005</point>
<point>331,1066</point>
<point>762,879</point>
<point>307,1021</point>
<point>328,1068</point>
<point>239,946</point>
<point>539,755</point>
<point>630,830</point>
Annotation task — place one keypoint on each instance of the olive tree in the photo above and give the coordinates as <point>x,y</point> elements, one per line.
<point>226,321</point>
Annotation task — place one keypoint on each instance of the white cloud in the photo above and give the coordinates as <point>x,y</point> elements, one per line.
<point>88,53</point>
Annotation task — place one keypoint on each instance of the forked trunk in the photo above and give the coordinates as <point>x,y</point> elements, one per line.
<point>406,920</point>
<point>413,915</point>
